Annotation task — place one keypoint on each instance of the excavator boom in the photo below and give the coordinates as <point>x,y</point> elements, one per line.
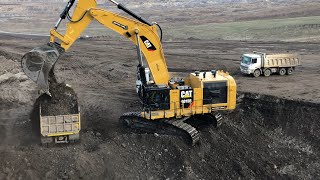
<point>38,63</point>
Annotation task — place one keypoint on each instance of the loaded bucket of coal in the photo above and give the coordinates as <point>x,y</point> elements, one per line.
<point>39,62</point>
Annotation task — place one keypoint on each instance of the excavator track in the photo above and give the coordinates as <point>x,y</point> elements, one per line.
<point>178,127</point>
<point>219,118</point>
<point>193,132</point>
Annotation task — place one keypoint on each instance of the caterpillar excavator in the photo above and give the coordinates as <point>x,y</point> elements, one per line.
<point>167,101</point>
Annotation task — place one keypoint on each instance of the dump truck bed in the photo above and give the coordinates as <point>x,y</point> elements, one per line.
<point>281,60</point>
<point>61,128</point>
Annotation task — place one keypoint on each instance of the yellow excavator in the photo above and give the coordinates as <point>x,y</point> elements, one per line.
<point>167,101</point>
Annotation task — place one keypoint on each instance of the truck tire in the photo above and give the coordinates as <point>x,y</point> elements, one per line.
<point>73,138</point>
<point>267,72</point>
<point>282,71</point>
<point>257,73</point>
<point>46,141</point>
<point>289,71</point>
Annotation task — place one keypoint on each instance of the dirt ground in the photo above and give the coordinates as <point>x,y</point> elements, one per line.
<point>273,134</point>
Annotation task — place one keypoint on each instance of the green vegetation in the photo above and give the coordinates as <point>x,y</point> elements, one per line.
<point>289,29</point>
<point>302,28</point>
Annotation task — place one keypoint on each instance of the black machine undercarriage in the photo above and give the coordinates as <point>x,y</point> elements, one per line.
<point>184,127</point>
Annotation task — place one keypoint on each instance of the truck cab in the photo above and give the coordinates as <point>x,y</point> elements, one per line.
<point>250,62</point>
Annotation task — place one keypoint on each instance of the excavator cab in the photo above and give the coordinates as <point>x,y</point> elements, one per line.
<point>156,98</point>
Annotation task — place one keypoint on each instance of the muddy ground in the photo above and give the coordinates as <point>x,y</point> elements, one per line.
<point>274,134</point>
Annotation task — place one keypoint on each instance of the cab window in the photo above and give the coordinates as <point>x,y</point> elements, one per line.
<point>254,60</point>
<point>215,92</point>
<point>245,60</point>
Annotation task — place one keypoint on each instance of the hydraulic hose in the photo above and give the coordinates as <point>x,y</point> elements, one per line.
<point>139,18</point>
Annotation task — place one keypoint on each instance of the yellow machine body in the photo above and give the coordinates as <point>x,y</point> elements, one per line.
<point>192,101</point>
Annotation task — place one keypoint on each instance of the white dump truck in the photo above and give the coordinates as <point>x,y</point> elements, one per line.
<point>266,64</point>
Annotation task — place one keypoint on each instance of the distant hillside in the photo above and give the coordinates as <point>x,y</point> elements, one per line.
<point>177,16</point>
<point>219,10</point>
<point>170,2</point>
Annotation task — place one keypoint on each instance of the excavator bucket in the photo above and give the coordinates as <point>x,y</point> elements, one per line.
<point>38,63</point>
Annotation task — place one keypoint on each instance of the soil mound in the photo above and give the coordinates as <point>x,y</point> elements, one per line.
<point>63,101</point>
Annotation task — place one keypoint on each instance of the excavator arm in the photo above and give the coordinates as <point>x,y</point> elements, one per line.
<point>142,33</point>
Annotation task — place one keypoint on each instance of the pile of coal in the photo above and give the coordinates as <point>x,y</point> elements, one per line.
<point>63,101</point>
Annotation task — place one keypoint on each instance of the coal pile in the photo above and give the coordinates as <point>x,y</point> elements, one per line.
<point>63,101</point>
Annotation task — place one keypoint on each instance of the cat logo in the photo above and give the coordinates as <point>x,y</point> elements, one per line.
<point>186,98</point>
<point>186,94</point>
<point>148,43</point>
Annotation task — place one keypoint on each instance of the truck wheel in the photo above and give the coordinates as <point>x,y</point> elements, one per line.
<point>289,71</point>
<point>267,72</point>
<point>257,73</point>
<point>282,71</point>
<point>46,141</point>
<point>73,138</point>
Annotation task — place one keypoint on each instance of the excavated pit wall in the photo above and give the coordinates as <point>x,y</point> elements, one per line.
<point>267,136</point>
<point>296,118</point>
